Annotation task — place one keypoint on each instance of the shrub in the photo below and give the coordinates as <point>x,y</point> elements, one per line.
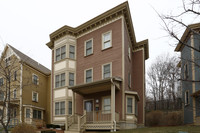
<point>154,118</point>
<point>49,125</point>
<point>23,128</point>
<point>48,131</point>
<point>174,118</point>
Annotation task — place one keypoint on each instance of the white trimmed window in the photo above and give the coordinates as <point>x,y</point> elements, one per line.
<point>1,95</point>
<point>15,93</point>
<point>88,47</point>
<point>129,105</point>
<point>60,108</point>
<point>129,79</point>
<point>186,97</point>
<point>71,52</point>
<point>129,52</point>
<point>71,79</point>
<point>35,79</point>
<point>15,76</point>
<point>186,71</point>
<point>107,40</point>
<point>106,105</point>
<point>1,81</point>
<point>37,114</point>
<point>106,70</point>
<point>88,75</point>
<point>60,80</point>
<point>70,107</point>
<point>28,112</point>
<point>34,96</point>
<point>60,53</point>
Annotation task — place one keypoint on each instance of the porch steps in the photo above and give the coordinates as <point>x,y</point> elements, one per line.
<point>73,129</point>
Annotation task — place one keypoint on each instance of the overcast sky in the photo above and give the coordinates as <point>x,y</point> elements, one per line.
<point>26,24</point>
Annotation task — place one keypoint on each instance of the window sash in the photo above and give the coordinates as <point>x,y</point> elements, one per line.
<point>57,108</point>
<point>70,107</point>
<point>1,81</point>
<point>35,113</point>
<point>129,105</point>
<point>71,52</point>
<point>106,105</point>
<point>107,40</point>
<point>71,79</point>
<point>62,108</point>
<point>15,93</point>
<point>58,57</point>
<point>88,76</point>
<point>63,79</point>
<point>28,113</point>
<point>57,81</point>
<point>35,97</point>
<point>35,79</point>
<point>39,114</point>
<point>106,71</point>
<point>63,52</point>
<point>1,95</point>
<point>89,47</point>
<point>15,75</point>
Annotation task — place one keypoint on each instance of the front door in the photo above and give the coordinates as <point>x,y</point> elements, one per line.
<point>88,106</point>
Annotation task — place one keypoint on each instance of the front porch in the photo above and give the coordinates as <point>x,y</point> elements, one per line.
<point>98,102</point>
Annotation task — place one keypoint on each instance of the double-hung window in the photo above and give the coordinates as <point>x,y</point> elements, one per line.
<point>70,107</point>
<point>1,95</point>
<point>129,105</point>
<point>7,61</point>
<point>88,47</point>
<point>186,71</point>
<point>88,75</point>
<point>106,105</point>
<point>1,81</point>
<point>60,53</point>
<point>107,40</point>
<point>28,111</point>
<point>35,79</point>
<point>37,114</point>
<point>60,108</point>
<point>71,52</point>
<point>15,75</point>
<point>106,71</point>
<point>186,97</point>
<point>34,96</point>
<point>15,93</point>
<point>71,79</point>
<point>60,80</point>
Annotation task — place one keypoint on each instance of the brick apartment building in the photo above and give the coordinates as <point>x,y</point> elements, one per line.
<point>98,73</point>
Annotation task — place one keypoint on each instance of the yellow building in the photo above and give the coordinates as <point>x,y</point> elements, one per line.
<point>28,87</point>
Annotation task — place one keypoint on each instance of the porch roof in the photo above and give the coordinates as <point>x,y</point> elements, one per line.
<point>96,86</point>
<point>196,94</point>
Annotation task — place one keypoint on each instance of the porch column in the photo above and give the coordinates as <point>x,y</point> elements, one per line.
<point>73,103</point>
<point>112,102</point>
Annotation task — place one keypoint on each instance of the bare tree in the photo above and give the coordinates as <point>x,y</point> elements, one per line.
<point>161,78</point>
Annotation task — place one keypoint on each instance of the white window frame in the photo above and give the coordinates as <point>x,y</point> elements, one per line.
<point>85,74</point>
<point>34,100</point>
<point>69,108</point>
<point>59,80</point>
<point>29,113</point>
<point>14,93</point>
<point>85,46</point>
<point>187,102</point>
<point>59,108</point>
<point>186,75</point>
<point>34,80</point>
<point>103,39</point>
<point>129,52</point>
<point>74,52</point>
<point>69,79</point>
<point>129,79</point>
<point>37,114</point>
<point>102,69</point>
<point>103,110</point>
<point>60,53</point>
<point>133,104</point>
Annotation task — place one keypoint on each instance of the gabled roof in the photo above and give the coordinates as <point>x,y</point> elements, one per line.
<point>29,61</point>
<point>187,32</point>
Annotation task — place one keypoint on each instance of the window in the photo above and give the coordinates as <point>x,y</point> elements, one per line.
<point>35,79</point>
<point>70,107</point>
<point>71,52</point>
<point>28,111</point>
<point>129,105</point>
<point>15,93</point>
<point>34,96</point>
<point>88,47</point>
<point>14,112</point>
<point>15,75</point>
<point>7,61</point>
<point>1,95</point>
<point>71,79</point>
<point>37,114</point>
<point>106,71</point>
<point>60,108</point>
<point>60,80</point>
<point>88,75</point>
<point>129,79</point>
<point>1,81</point>
<point>106,40</point>
<point>129,52</point>
<point>61,53</point>
<point>186,97</point>
<point>106,105</point>
<point>186,72</point>
<point>136,107</point>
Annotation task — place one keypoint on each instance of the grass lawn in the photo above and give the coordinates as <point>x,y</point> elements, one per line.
<point>173,129</point>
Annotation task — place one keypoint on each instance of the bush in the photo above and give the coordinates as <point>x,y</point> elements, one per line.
<point>48,131</point>
<point>154,118</point>
<point>49,125</point>
<point>56,126</point>
<point>23,128</point>
<point>174,118</point>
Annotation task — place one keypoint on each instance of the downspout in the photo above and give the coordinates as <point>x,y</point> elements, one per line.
<point>114,122</point>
